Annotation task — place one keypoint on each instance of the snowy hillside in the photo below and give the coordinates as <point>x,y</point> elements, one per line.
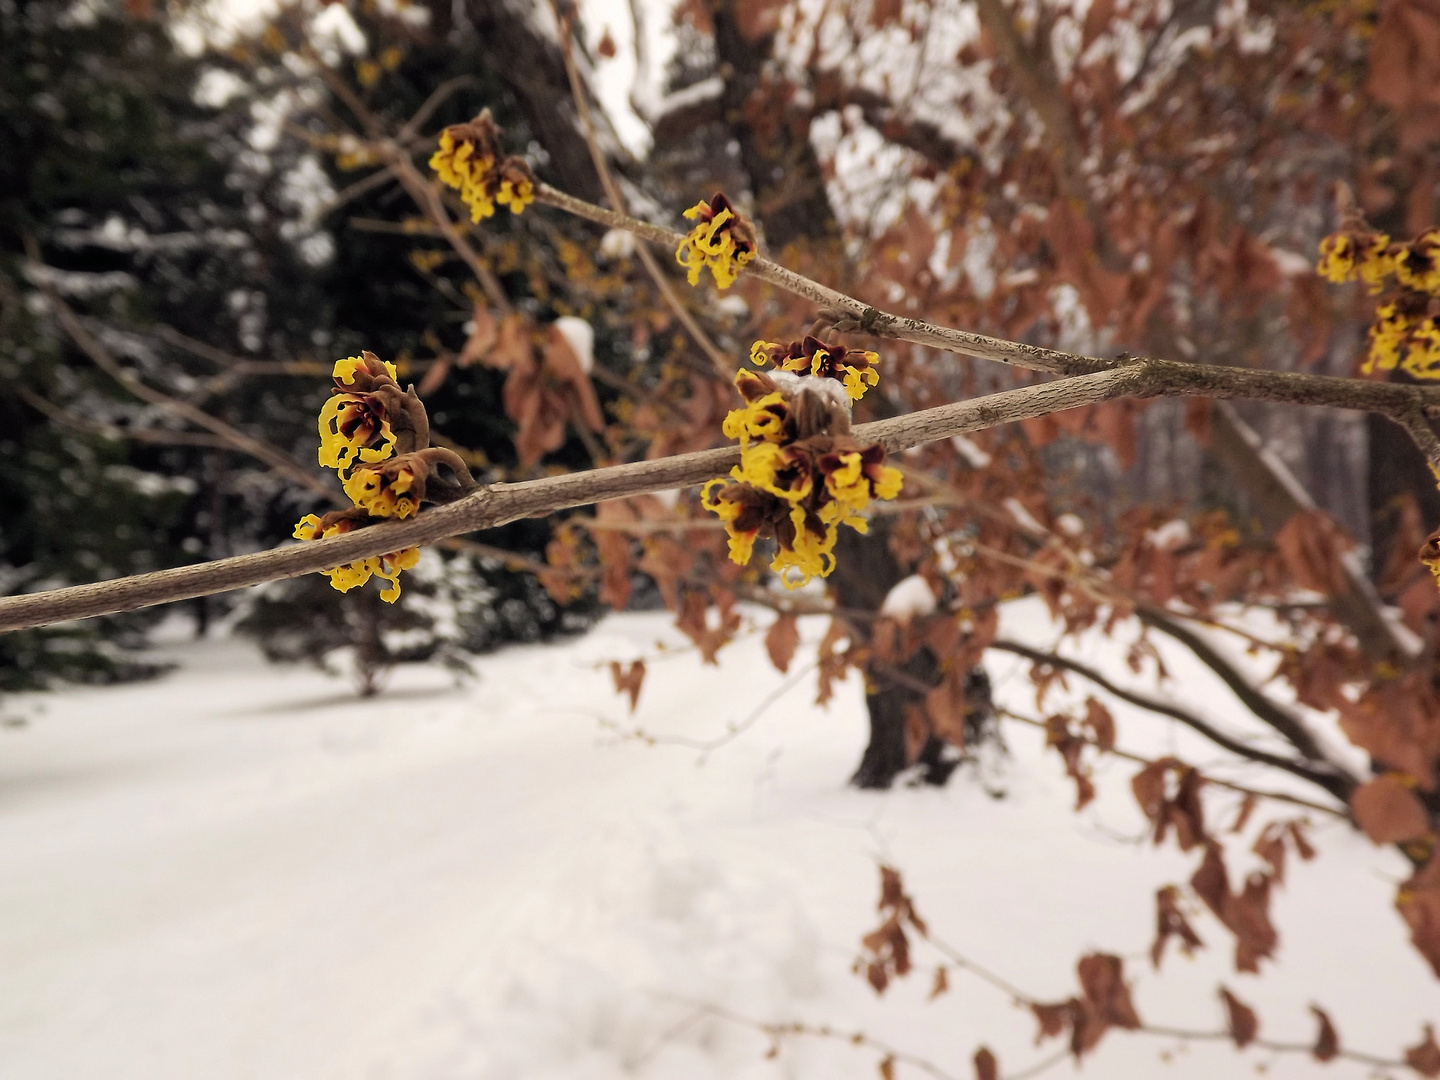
<point>239,871</point>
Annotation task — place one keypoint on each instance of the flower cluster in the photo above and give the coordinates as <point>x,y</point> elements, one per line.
<point>801,475</point>
<point>1406,331</point>
<point>344,578</point>
<point>854,369</point>
<point>723,239</point>
<point>377,437</point>
<point>469,160</point>
<point>1353,254</point>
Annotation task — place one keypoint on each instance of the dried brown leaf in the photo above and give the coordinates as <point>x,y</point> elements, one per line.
<point>628,680</point>
<point>1270,846</point>
<point>781,640</point>
<point>1211,883</point>
<point>1303,847</point>
<point>1327,1041</point>
<point>1389,810</point>
<point>1053,1019</point>
<point>940,985</point>
<point>1418,901</point>
<point>1102,979</point>
<point>1101,724</point>
<point>1424,1056</point>
<point>1311,545</point>
<point>1240,1019</point>
<point>1149,788</point>
<point>1170,922</point>
<point>1096,20</point>
<point>947,706</point>
<point>1248,917</point>
<point>833,663</point>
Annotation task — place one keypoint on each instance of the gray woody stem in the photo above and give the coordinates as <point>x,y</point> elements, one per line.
<point>499,504</point>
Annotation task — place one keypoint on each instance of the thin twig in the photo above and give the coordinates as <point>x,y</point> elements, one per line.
<point>261,451</point>
<point>778,1031</point>
<point>1277,796</point>
<point>724,365</point>
<point>1338,785</point>
<point>157,436</point>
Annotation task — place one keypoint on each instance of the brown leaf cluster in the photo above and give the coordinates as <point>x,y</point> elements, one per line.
<point>1170,922</point>
<point>1104,1002</point>
<point>1168,792</point>
<point>693,620</point>
<point>887,947</point>
<point>546,389</point>
<point>1424,1056</point>
<point>1245,914</point>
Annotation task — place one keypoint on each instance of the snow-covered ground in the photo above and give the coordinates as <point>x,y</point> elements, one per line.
<point>241,871</point>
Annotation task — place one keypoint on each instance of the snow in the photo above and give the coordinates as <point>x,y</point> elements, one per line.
<point>971,451</point>
<point>910,597</point>
<point>1173,534</point>
<point>580,336</point>
<point>243,871</point>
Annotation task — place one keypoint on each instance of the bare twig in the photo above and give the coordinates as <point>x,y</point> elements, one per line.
<point>1276,796</point>
<point>1281,719</point>
<point>261,451</point>
<point>959,961</point>
<point>781,1030</point>
<point>119,431</point>
<point>1337,784</point>
<point>724,365</point>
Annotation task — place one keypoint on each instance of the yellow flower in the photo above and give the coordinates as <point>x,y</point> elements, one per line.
<point>1430,552</point>
<point>1387,335</point>
<point>1337,258</point>
<point>785,472</point>
<point>853,368</point>
<point>469,160</point>
<point>342,578</point>
<point>517,187</point>
<point>1376,264</point>
<point>723,239</point>
<point>801,475</point>
<point>808,555</point>
<point>1422,361</point>
<point>368,366</point>
<point>1418,264</point>
<point>306,527</point>
<point>742,540</point>
<point>388,491</point>
<point>354,574</point>
<point>763,418</point>
<point>1344,256</point>
<point>353,429</point>
<point>389,568</point>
